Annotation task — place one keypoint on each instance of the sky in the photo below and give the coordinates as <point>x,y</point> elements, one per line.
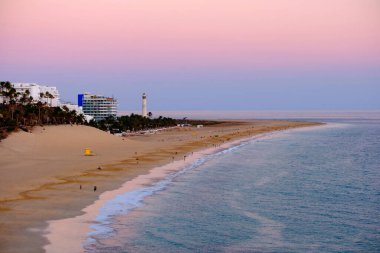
<point>198,54</point>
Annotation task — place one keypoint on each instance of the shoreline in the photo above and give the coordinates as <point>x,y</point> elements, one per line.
<point>95,216</point>
<point>114,175</point>
<point>59,233</point>
<point>58,229</point>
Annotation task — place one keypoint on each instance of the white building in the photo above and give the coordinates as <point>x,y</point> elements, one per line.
<point>144,112</point>
<point>100,107</point>
<point>35,90</point>
<point>77,109</point>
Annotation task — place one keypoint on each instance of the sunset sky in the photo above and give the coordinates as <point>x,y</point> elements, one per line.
<point>198,54</point>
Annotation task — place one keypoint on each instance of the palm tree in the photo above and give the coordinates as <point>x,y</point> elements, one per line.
<point>26,98</point>
<point>6,91</point>
<point>48,96</point>
<point>13,96</point>
<point>2,85</point>
<point>39,105</point>
<point>2,89</point>
<point>65,108</point>
<point>51,98</point>
<point>42,95</point>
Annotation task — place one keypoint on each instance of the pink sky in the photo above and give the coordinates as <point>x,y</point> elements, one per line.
<point>156,33</point>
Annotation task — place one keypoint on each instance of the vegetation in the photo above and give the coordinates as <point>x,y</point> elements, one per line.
<point>21,111</point>
<point>203,122</point>
<point>134,122</point>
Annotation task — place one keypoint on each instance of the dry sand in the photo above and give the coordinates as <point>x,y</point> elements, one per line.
<point>41,172</point>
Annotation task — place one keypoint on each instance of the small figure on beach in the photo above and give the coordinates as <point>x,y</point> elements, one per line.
<point>184,158</point>
<point>99,168</point>
<point>95,188</point>
<point>80,187</point>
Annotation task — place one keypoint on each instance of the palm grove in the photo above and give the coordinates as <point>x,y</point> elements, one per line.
<point>19,110</point>
<point>22,111</point>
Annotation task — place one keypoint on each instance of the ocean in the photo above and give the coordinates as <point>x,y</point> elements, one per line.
<point>315,189</point>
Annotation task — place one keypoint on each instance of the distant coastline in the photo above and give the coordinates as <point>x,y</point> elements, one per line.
<point>271,114</point>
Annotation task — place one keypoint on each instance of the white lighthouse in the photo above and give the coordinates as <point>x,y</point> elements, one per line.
<point>144,111</point>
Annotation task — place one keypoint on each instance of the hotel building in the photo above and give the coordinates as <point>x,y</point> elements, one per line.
<point>100,107</point>
<point>35,90</point>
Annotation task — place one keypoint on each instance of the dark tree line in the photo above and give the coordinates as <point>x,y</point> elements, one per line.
<point>133,122</point>
<point>21,111</point>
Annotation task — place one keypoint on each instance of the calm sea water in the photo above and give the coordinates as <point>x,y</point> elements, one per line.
<point>312,190</point>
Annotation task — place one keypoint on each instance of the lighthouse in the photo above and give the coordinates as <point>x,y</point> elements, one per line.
<point>144,111</point>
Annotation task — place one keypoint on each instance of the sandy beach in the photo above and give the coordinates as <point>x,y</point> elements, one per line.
<point>45,175</point>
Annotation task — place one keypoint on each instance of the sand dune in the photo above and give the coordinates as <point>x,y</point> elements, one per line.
<point>31,159</point>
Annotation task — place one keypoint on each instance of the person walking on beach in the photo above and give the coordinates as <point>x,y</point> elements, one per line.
<point>95,188</point>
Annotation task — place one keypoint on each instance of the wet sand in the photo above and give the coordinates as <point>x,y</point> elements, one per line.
<point>45,176</point>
